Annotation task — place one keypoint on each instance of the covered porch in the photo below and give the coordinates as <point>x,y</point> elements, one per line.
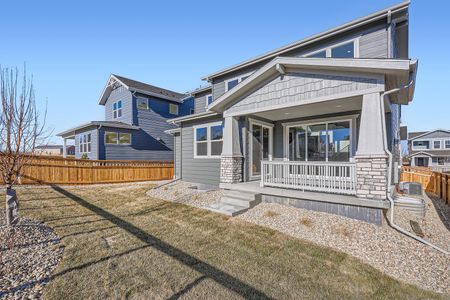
<point>314,130</point>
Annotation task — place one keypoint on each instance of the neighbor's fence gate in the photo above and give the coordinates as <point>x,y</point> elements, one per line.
<point>44,169</point>
<point>433,182</point>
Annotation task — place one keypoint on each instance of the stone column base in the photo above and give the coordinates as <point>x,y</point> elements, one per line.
<point>371,175</point>
<point>231,169</point>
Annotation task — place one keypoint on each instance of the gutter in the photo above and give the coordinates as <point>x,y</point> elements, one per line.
<point>390,191</point>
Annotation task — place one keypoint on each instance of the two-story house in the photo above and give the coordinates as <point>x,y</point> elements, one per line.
<point>313,124</point>
<point>135,123</point>
<point>430,149</point>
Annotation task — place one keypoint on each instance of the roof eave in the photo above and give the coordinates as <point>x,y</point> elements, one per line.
<point>325,34</point>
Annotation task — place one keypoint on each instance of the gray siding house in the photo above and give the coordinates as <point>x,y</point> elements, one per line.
<point>135,123</point>
<point>313,124</point>
<point>430,149</point>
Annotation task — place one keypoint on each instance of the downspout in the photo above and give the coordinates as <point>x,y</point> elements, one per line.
<point>389,191</point>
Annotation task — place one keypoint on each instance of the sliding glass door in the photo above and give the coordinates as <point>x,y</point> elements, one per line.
<point>328,141</point>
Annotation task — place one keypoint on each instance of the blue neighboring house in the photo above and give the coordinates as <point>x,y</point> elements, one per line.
<point>135,123</point>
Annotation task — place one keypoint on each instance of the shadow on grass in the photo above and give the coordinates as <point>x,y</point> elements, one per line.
<point>208,271</point>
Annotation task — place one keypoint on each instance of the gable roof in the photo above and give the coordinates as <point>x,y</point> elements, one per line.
<point>418,134</point>
<point>315,38</point>
<point>402,69</point>
<point>138,87</point>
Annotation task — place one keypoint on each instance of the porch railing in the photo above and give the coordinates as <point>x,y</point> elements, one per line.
<point>330,177</point>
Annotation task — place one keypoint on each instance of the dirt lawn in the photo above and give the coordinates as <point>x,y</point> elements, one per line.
<point>121,244</point>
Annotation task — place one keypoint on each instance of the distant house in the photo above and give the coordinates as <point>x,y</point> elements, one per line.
<point>429,149</point>
<point>54,150</point>
<point>134,125</point>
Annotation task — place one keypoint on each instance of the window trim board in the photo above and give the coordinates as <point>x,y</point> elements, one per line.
<point>208,140</point>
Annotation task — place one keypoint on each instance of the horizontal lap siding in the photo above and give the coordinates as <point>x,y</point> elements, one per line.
<point>200,103</point>
<point>204,171</point>
<point>374,44</point>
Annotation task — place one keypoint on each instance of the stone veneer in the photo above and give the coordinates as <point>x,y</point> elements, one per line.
<point>230,169</point>
<point>371,175</point>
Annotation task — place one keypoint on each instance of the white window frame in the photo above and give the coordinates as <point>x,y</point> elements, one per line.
<point>137,103</point>
<point>421,147</point>
<point>434,144</point>
<point>328,48</point>
<point>171,105</point>
<point>115,112</point>
<point>239,79</point>
<point>208,140</point>
<point>206,100</point>
<point>84,146</point>
<point>447,146</point>
<point>117,138</point>
<point>263,124</point>
<point>286,126</point>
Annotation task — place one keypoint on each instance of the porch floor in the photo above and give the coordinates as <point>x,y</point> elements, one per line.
<point>254,187</point>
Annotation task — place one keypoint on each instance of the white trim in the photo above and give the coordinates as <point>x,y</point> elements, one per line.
<point>434,144</point>
<point>208,140</point>
<point>270,155</point>
<point>239,79</point>
<point>87,144</point>
<point>206,100</point>
<point>117,109</point>
<point>193,117</point>
<point>286,126</point>
<point>171,105</point>
<point>146,101</point>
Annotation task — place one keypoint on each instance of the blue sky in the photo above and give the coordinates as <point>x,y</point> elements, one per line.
<point>71,47</point>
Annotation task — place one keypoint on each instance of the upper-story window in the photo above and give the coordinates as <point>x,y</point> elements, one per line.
<point>421,145</point>
<point>343,50</point>
<point>117,109</point>
<point>85,143</point>
<point>142,103</point>
<point>437,145</point>
<point>231,83</point>
<point>209,99</point>
<point>173,109</point>
<point>447,144</point>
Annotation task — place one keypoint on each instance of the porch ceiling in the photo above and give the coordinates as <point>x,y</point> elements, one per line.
<point>314,109</point>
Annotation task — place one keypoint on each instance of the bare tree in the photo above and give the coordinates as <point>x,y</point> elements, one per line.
<point>21,130</point>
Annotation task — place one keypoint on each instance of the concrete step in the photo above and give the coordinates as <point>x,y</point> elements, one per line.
<point>226,209</point>
<point>239,201</point>
<point>241,195</point>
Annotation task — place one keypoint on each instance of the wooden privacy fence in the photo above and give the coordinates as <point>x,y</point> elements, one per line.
<point>433,182</point>
<point>59,170</point>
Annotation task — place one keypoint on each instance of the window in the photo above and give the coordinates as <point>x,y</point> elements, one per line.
<point>142,103</point>
<point>447,144</point>
<point>421,144</point>
<point>117,109</point>
<point>192,111</point>
<point>117,138</point>
<point>437,145</point>
<point>173,109</point>
<point>441,161</point>
<point>208,140</point>
<point>328,141</point>
<point>229,84</point>
<point>343,51</point>
<point>85,143</point>
<point>209,99</point>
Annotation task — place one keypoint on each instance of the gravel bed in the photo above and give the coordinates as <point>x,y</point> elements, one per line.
<point>184,192</point>
<point>380,246</point>
<point>29,253</point>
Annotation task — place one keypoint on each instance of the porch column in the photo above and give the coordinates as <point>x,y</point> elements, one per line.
<point>371,159</point>
<point>231,158</point>
<point>64,147</point>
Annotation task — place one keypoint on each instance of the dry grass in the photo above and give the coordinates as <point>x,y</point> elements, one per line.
<point>342,231</point>
<point>271,214</point>
<point>122,244</point>
<point>307,222</point>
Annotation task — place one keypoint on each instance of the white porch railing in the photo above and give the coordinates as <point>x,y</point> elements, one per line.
<point>330,177</point>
